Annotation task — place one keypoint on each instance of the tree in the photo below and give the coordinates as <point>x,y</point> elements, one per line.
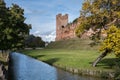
<point>98,15</point>
<point>20,29</point>
<point>110,44</point>
<point>33,42</point>
<point>3,24</point>
<point>112,41</point>
<point>39,42</point>
<point>12,26</point>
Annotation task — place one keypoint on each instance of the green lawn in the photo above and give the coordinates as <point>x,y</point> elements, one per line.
<point>80,59</point>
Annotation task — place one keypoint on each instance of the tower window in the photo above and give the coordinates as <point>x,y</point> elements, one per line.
<point>62,26</point>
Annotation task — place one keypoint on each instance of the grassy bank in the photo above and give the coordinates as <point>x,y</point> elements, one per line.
<point>73,59</point>
<point>75,55</point>
<point>75,43</point>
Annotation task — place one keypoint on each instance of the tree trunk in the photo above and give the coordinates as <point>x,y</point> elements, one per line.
<point>99,58</point>
<point>2,53</point>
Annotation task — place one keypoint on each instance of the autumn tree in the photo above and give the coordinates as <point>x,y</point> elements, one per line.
<point>98,15</point>
<point>110,44</point>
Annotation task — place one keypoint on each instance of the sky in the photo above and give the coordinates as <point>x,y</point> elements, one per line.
<point>42,14</point>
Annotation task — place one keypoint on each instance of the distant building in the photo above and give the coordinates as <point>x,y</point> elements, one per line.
<point>64,30</point>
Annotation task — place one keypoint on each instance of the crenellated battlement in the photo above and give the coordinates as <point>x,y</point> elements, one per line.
<point>63,30</point>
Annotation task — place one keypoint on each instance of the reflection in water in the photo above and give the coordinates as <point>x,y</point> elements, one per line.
<point>25,68</point>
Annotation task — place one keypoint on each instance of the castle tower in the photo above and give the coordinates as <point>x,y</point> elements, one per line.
<point>61,22</point>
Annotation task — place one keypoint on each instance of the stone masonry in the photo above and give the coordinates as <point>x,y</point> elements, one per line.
<point>63,29</point>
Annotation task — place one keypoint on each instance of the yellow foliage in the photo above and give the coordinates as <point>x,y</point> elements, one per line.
<point>79,30</point>
<point>86,5</point>
<point>112,41</point>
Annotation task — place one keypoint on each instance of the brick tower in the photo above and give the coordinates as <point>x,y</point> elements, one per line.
<point>61,22</point>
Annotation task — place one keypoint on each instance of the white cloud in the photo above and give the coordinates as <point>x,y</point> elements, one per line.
<point>48,36</point>
<point>36,33</point>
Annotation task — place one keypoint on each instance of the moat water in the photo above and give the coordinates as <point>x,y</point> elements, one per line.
<point>23,67</point>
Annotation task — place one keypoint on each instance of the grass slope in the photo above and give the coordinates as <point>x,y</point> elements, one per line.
<point>72,58</point>
<point>74,54</point>
<point>75,43</point>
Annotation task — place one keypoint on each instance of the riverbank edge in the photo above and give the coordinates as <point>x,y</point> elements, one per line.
<point>85,72</point>
<point>88,72</point>
<point>110,75</point>
<point>3,72</point>
<point>4,64</point>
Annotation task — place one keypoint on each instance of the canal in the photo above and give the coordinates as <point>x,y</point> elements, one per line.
<point>22,67</point>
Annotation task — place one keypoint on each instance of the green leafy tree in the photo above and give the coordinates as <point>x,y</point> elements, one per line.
<point>13,30</point>
<point>20,30</point>
<point>33,42</point>
<point>39,42</point>
<point>3,24</point>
